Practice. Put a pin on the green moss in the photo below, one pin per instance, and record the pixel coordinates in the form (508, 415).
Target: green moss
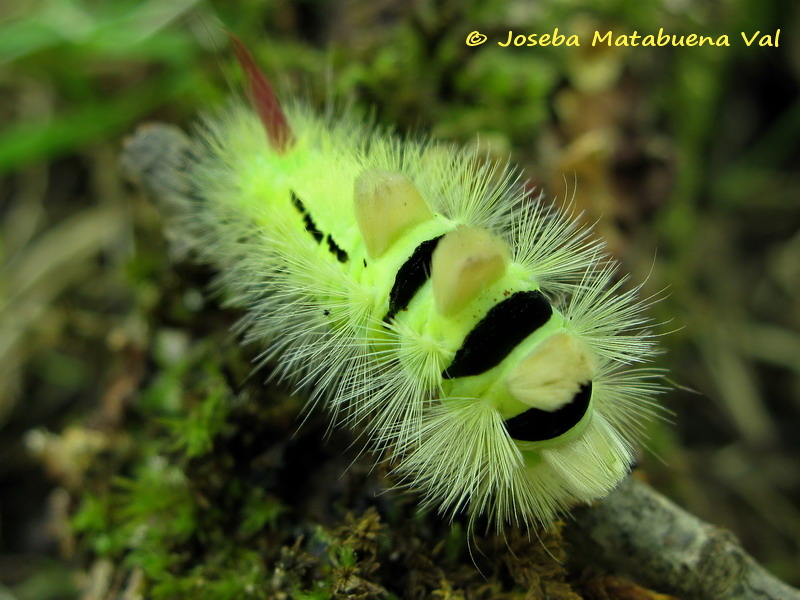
(207, 507)
(194, 433)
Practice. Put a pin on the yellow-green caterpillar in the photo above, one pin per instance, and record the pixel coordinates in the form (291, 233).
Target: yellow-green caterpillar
(476, 336)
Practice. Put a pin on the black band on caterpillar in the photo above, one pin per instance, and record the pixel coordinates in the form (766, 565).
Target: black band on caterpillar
(411, 276)
(312, 228)
(535, 425)
(340, 254)
(499, 332)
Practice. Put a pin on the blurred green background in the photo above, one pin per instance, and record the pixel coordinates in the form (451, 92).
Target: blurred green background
(687, 156)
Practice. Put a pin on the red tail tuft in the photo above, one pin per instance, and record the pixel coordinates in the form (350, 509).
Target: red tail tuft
(264, 99)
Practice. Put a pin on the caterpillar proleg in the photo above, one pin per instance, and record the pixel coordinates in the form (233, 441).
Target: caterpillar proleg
(480, 339)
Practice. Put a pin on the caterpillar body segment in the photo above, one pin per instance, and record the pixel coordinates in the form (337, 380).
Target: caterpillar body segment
(476, 336)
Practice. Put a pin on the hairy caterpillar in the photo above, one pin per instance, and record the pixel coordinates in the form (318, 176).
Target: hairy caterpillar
(477, 337)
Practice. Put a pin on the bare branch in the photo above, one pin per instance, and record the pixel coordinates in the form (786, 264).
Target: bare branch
(638, 531)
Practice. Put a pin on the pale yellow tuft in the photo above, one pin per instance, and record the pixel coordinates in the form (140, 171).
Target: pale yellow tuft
(387, 204)
(551, 375)
(465, 262)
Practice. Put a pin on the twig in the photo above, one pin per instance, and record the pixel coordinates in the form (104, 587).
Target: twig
(638, 531)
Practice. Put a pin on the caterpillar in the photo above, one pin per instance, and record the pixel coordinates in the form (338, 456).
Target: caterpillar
(480, 339)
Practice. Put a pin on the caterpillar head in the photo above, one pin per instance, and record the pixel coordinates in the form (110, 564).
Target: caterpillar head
(514, 403)
(517, 356)
(521, 384)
